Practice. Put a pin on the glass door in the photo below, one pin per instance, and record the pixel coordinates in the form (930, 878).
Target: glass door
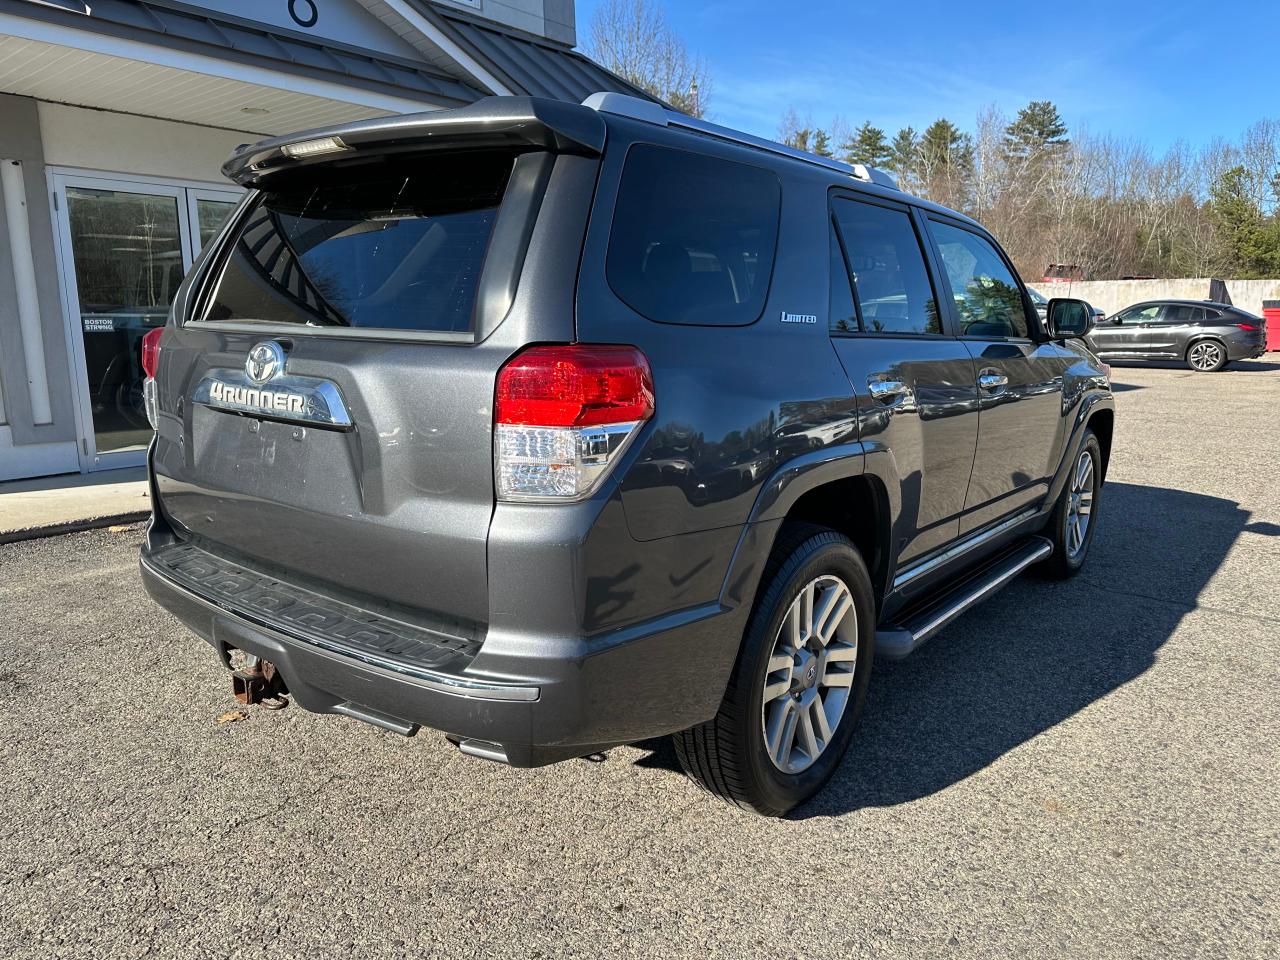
(125, 246)
(207, 211)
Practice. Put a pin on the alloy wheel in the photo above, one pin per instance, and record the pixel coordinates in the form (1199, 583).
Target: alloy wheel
(1080, 504)
(1205, 356)
(810, 674)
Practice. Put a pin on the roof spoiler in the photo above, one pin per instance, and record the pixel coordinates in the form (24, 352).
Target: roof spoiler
(519, 122)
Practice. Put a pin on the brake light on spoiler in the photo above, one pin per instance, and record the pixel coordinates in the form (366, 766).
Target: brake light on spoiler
(563, 415)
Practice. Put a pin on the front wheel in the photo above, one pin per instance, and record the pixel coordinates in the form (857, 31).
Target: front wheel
(1075, 516)
(798, 687)
(1207, 356)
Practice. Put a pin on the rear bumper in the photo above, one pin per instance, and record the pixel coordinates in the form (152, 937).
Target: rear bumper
(1245, 349)
(575, 697)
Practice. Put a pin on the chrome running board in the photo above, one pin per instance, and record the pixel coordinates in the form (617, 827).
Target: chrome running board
(923, 622)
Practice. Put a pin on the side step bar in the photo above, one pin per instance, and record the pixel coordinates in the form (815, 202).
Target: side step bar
(895, 642)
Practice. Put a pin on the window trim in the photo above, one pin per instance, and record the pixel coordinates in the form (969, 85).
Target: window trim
(926, 254)
(1035, 332)
(834, 226)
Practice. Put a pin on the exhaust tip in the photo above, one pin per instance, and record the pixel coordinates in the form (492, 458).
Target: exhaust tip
(484, 750)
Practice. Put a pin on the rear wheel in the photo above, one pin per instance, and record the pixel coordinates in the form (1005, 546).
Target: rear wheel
(1074, 518)
(1206, 356)
(800, 681)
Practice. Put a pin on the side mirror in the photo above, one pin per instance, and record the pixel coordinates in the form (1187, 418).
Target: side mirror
(1066, 318)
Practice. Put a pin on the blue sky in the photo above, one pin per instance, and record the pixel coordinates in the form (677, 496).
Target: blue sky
(1131, 68)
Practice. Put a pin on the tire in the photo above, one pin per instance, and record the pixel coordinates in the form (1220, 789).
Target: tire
(1070, 551)
(1206, 356)
(728, 755)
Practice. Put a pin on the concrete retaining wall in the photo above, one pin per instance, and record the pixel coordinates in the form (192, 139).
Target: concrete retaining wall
(1114, 295)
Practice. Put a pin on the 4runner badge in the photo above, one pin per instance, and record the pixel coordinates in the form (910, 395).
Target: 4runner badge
(263, 390)
(798, 317)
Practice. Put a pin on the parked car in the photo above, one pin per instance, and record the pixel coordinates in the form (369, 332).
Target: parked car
(1205, 335)
(556, 427)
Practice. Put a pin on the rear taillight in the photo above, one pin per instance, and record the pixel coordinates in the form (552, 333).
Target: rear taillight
(1247, 326)
(563, 415)
(151, 351)
(150, 364)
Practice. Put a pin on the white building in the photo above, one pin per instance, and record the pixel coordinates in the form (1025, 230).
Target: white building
(115, 116)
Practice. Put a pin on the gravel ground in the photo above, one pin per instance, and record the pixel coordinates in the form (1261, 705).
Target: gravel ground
(1075, 770)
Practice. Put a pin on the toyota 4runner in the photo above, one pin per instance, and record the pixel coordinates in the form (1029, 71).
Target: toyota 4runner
(558, 427)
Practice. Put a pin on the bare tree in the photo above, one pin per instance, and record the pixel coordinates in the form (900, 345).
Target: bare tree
(633, 39)
(988, 164)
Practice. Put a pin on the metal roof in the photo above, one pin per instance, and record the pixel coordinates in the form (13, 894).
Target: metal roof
(198, 31)
(532, 65)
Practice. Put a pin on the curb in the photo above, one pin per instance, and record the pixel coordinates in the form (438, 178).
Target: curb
(72, 526)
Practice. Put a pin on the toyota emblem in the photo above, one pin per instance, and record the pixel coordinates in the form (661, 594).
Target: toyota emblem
(265, 361)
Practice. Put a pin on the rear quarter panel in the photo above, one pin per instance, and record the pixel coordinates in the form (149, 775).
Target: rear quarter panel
(734, 403)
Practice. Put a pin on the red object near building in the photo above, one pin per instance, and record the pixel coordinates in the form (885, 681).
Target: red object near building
(1063, 273)
(1271, 311)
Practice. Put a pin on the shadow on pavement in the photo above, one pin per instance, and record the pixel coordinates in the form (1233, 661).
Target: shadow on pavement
(1032, 656)
(1233, 367)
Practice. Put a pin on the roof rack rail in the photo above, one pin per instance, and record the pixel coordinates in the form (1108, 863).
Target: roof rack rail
(647, 111)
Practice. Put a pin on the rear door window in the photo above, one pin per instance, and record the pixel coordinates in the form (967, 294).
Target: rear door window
(988, 298)
(886, 265)
(693, 237)
(1182, 313)
(396, 244)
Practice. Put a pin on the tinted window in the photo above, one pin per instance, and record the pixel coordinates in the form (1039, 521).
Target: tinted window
(693, 237)
(844, 315)
(988, 299)
(1139, 314)
(397, 244)
(1181, 313)
(890, 279)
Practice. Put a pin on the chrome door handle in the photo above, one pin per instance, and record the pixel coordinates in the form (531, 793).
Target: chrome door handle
(886, 391)
(993, 381)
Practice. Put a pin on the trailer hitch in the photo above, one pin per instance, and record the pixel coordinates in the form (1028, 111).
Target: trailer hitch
(259, 681)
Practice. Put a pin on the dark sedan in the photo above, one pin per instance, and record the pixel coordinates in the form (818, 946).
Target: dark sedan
(1205, 335)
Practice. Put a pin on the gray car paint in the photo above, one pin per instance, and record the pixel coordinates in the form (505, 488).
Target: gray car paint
(623, 611)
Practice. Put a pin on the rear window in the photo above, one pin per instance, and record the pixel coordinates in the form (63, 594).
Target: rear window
(693, 237)
(394, 244)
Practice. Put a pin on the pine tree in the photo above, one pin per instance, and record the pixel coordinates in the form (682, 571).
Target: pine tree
(1037, 128)
(868, 145)
(1251, 239)
(946, 163)
(821, 143)
(904, 157)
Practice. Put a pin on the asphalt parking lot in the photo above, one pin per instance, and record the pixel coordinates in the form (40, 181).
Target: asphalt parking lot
(1086, 769)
